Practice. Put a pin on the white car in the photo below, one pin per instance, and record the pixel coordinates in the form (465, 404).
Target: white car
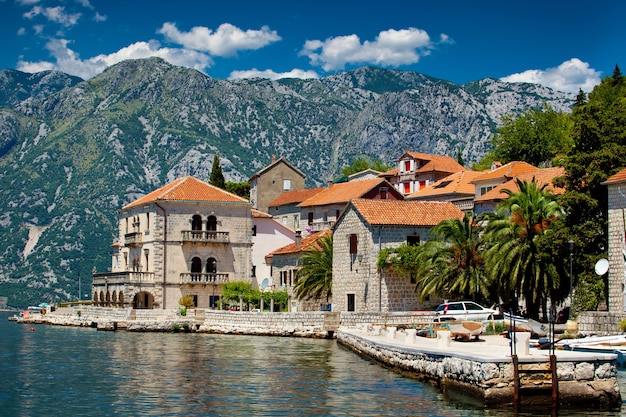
(463, 310)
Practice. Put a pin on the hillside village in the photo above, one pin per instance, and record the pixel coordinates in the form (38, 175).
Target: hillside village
(189, 238)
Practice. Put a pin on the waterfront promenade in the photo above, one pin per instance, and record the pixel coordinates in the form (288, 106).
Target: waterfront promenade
(483, 369)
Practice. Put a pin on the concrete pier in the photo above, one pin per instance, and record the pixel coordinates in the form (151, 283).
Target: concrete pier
(484, 368)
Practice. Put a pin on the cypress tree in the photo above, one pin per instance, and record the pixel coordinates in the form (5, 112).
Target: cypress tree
(217, 177)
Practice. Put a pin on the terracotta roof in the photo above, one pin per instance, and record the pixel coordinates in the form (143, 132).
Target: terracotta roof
(258, 214)
(296, 196)
(619, 177)
(437, 163)
(273, 164)
(457, 183)
(406, 213)
(507, 171)
(391, 173)
(187, 189)
(541, 176)
(308, 242)
(343, 192)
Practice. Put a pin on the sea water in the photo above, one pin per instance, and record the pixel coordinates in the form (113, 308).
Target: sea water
(68, 371)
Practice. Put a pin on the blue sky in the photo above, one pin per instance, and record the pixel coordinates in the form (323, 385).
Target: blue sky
(565, 45)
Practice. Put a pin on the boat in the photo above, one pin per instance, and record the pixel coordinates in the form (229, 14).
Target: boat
(615, 344)
(465, 330)
(518, 323)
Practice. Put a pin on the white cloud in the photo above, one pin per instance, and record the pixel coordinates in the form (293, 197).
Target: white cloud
(568, 77)
(390, 48)
(21, 31)
(54, 14)
(100, 17)
(68, 61)
(227, 40)
(27, 2)
(272, 75)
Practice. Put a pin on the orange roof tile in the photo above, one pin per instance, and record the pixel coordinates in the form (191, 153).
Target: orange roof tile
(258, 214)
(406, 213)
(391, 173)
(507, 171)
(619, 177)
(295, 196)
(187, 189)
(438, 163)
(457, 183)
(541, 176)
(343, 192)
(308, 242)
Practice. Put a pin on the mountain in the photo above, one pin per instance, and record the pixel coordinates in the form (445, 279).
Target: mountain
(73, 152)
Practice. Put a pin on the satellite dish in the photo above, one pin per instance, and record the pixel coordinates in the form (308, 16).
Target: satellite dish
(602, 266)
(265, 283)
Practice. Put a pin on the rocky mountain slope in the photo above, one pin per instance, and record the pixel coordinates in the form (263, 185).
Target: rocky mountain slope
(73, 152)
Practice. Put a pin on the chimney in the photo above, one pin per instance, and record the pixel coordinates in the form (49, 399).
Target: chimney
(330, 183)
(273, 158)
(298, 237)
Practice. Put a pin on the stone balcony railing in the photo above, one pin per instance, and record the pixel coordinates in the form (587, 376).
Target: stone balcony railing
(204, 236)
(321, 225)
(133, 239)
(203, 278)
(124, 277)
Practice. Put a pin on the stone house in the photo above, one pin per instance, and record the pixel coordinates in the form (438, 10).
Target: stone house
(185, 238)
(617, 241)
(273, 180)
(416, 170)
(489, 199)
(285, 210)
(456, 188)
(267, 236)
(366, 227)
(321, 211)
(285, 263)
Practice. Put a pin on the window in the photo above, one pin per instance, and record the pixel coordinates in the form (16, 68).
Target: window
(284, 220)
(211, 266)
(485, 190)
(296, 222)
(443, 184)
(196, 265)
(310, 218)
(196, 222)
(407, 166)
(413, 240)
(286, 185)
(407, 187)
(253, 271)
(383, 193)
(195, 300)
(211, 223)
(147, 221)
(351, 302)
(254, 230)
(353, 244)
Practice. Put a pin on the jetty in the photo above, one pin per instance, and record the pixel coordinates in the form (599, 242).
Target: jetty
(489, 370)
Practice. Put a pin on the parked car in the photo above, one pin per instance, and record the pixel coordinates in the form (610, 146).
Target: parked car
(463, 310)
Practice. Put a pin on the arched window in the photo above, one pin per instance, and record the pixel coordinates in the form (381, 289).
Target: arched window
(196, 222)
(211, 266)
(211, 224)
(196, 264)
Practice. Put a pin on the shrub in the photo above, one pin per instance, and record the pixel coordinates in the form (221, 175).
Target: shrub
(622, 325)
(175, 328)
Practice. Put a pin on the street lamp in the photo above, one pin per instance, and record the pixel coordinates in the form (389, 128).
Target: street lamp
(571, 276)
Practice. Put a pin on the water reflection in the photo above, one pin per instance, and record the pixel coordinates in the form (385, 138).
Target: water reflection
(72, 371)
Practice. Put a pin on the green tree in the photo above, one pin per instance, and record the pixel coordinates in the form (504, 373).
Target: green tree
(452, 264)
(516, 237)
(242, 189)
(314, 279)
(361, 163)
(537, 136)
(239, 290)
(217, 177)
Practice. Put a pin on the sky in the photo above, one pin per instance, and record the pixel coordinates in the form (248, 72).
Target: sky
(565, 45)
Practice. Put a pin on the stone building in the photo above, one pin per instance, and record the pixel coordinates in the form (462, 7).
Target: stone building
(185, 238)
(617, 241)
(273, 180)
(363, 229)
(285, 263)
(456, 188)
(285, 210)
(416, 170)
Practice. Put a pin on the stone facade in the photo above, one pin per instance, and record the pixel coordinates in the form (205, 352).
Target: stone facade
(170, 248)
(358, 285)
(617, 245)
(273, 180)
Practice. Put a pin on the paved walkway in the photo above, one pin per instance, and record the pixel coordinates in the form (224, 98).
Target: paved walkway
(485, 349)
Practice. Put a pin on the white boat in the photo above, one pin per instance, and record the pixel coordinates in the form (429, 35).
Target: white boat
(520, 324)
(466, 329)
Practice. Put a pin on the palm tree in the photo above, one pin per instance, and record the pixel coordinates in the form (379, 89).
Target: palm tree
(516, 234)
(314, 279)
(451, 264)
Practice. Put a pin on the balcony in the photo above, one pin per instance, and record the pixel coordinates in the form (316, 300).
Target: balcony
(204, 236)
(133, 239)
(126, 277)
(321, 225)
(203, 278)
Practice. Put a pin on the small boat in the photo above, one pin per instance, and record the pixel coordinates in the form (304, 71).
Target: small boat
(465, 330)
(537, 328)
(520, 324)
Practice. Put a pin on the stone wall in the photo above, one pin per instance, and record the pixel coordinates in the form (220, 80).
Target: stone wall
(600, 323)
(581, 384)
(617, 244)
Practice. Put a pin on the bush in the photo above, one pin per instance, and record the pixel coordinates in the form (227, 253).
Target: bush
(622, 325)
(175, 328)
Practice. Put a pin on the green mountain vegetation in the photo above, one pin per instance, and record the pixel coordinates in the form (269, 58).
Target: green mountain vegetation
(73, 152)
